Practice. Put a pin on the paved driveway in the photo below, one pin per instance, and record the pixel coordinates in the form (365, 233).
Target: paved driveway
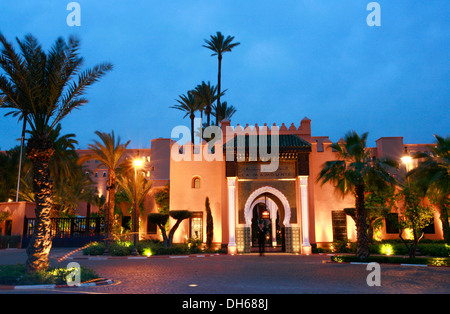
(248, 274)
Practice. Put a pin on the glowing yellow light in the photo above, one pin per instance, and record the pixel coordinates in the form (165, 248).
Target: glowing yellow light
(387, 249)
(406, 159)
(138, 162)
(9, 200)
(147, 252)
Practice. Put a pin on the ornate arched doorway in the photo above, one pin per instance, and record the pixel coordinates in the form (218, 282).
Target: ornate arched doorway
(270, 198)
(265, 211)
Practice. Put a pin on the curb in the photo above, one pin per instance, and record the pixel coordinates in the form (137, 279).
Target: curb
(366, 263)
(103, 258)
(102, 282)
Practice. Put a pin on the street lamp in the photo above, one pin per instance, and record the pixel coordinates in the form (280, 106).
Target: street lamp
(137, 164)
(407, 160)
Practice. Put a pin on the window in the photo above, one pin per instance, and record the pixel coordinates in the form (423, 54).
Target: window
(104, 174)
(430, 228)
(392, 223)
(8, 227)
(152, 228)
(196, 183)
(319, 146)
(339, 223)
(196, 226)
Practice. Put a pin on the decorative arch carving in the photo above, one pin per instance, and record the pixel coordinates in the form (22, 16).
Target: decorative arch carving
(271, 190)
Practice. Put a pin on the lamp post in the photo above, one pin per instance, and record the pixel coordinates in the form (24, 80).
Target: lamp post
(137, 164)
(107, 217)
(407, 161)
(22, 140)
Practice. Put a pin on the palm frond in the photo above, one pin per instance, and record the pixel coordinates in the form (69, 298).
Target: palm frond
(219, 44)
(45, 87)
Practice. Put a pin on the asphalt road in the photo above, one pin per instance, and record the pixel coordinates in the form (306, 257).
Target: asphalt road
(244, 274)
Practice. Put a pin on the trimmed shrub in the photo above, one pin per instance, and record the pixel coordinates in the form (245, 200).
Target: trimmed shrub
(393, 260)
(438, 249)
(17, 275)
(97, 248)
(388, 248)
(120, 248)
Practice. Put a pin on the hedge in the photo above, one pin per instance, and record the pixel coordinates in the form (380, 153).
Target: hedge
(427, 248)
(17, 275)
(432, 261)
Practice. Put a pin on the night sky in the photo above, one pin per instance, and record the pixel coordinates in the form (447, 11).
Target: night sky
(297, 58)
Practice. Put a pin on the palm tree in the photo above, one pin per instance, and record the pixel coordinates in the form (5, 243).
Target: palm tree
(108, 152)
(133, 184)
(355, 172)
(64, 160)
(188, 103)
(65, 174)
(43, 88)
(223, 111)
(128, 186)
(433, 176)
(219, 45)
(206, 95)
(69, 190)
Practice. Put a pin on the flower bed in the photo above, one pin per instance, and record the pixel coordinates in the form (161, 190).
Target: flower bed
(431, 261)
(17, 275)
(144, 248)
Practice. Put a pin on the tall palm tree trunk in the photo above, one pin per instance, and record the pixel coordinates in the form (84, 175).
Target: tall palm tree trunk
(192, 116)
(40, 152)
(219, 75)
(362, 250)
(208, 114)
(109, 213)
(444, 210)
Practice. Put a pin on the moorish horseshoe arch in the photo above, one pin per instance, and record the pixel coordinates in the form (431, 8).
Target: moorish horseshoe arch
(272, 206)
(256, 194)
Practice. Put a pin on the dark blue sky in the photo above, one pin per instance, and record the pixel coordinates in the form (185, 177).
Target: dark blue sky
(297, 58)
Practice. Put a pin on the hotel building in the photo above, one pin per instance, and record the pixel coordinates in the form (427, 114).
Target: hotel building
(298, 211)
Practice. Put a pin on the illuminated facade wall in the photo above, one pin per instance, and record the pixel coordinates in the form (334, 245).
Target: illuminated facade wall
(309, 212)
(323, 218)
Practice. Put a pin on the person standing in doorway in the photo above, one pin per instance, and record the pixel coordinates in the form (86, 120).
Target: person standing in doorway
(261, 239)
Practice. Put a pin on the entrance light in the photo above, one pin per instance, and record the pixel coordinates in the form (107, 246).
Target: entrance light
(138, 163)
(406, 159)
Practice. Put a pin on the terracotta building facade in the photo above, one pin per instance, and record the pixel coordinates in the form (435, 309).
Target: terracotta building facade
(297, 211)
